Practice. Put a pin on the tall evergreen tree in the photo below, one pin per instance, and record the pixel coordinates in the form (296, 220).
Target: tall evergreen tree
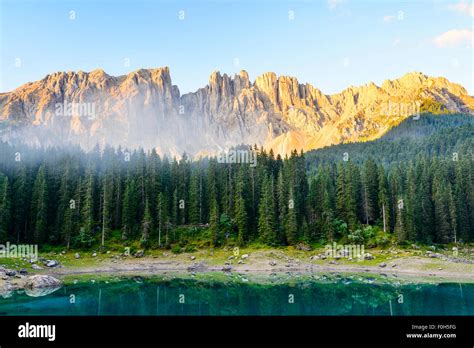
(39, 207)
(195, 195)
(146, 223)
(162, 216)
(291, 224)
(129, 209)
(19, 204)
(383, 200)
(266, 216)
(107, 205)
(240, 208)
(5, 208)
(214, 222)
(371, 186)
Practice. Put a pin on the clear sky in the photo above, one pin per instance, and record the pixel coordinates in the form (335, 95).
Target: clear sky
(331, 44)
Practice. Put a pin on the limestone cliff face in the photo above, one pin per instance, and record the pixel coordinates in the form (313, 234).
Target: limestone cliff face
(144, 109)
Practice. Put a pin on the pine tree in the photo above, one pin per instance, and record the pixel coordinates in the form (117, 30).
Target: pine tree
(214, 222)
(266, 216)
(240, 208)
(283, 203)
(64, 216)
(328, 218)
(306, 232)
(153, 185)
(341, 193)
(162, 216)
(129, 209)
(400, 230)
(371, 186)
(351, 195)
(175, 209)
(21, 194)
(291, 224)
(463, 198)
(39, 207)
(107, 206)
(194, 198)
(71, 216)
(426, 209)
(441, 207)
(412, 220)
(452, 215)
(5, 208)
(87, 209)
(357, 190)
(146, 223)
(383, 200)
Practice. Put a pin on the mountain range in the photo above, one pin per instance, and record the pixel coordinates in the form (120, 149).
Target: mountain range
(144, 109)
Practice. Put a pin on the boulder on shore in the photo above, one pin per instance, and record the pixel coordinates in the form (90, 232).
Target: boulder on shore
(41, 285)
(139, 253)
(51, 263)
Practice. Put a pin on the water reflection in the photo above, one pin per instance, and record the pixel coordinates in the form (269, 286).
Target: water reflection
(298, 297)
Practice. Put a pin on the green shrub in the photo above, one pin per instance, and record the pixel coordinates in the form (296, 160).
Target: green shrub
(176, 249)
(190, 248)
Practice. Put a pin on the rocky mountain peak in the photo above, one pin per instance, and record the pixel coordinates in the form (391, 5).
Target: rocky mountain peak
(144, 109)
(267, 84)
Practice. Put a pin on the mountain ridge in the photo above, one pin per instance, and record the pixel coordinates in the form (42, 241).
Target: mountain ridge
(144, 109)
(432, 135)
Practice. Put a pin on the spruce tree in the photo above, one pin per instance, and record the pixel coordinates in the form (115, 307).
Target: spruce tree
(195, 198)
(266, 216)
(383, 200)
(87, 219)
(19, 205)
(370, 193)
(291, 224)
(400, 230)
(240, 208)
(283, 204)
(146, 223)
(129, 208)
(107, 206)
(5, 208)
(214, 222)
(162, 216)
(39, 206)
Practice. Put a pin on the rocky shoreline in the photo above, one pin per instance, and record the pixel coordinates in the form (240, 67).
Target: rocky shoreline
(35, 285)
(46, 274)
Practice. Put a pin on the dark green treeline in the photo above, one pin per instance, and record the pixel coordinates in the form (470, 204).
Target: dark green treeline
(80, 199)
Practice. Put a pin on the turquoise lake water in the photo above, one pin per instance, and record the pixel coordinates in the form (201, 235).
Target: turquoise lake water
(323, 296)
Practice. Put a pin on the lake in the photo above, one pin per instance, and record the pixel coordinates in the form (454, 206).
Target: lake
(234, 294)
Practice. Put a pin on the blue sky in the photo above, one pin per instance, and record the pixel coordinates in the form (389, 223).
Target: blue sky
(330, 44)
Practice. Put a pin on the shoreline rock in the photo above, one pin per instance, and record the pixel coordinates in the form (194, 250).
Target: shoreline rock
(42, 281)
